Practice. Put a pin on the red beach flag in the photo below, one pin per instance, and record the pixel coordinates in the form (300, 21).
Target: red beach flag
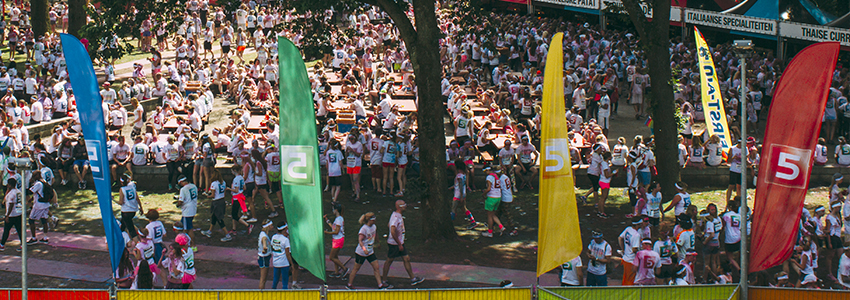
(784, 170)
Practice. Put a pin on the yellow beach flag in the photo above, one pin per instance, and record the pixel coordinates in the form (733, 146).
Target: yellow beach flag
(712, 98)
(559, 236)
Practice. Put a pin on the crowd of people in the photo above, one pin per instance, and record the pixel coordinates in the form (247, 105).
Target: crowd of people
(365, 100)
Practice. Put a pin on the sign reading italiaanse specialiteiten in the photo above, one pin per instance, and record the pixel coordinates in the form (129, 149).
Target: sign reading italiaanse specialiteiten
(731, 21)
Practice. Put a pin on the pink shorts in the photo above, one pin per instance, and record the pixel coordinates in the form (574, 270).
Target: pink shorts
(337, 243)
(605, 185)
(187, 278)
(154, 269)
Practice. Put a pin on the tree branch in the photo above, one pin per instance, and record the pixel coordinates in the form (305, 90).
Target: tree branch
(399, 17)
(638, 18)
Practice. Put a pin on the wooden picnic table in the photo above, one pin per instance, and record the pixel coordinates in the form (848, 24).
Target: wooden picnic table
(333, 106)
(457, 80)
(333, 78)
(404, 95)
(479, 123)
(500, 139)
(171, 124)
(256, 124)
(405, 105)
(398, 77)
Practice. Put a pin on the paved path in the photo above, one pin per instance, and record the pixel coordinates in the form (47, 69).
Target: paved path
(430, 271)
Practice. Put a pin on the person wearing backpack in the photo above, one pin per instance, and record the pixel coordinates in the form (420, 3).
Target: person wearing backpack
(41, 197)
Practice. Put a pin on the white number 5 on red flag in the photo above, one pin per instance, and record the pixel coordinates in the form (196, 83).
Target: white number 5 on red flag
(788, 166)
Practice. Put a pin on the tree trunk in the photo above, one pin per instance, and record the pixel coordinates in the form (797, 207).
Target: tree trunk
(664, 116)
(663, 104)
(655, 36)
(39, 18)
(77, 16)
(423, 47)
(425, 57)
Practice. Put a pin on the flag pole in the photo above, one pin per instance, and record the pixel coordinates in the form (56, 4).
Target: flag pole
(743, 48)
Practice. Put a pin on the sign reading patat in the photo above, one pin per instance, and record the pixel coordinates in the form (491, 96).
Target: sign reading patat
(731, 21)
(617, 7)
(588, 4)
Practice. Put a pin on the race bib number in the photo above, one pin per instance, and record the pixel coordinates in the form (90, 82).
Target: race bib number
(649, 263)
(190, 263)
(351, 161)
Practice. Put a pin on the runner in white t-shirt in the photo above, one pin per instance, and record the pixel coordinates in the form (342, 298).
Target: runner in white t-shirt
(395, 243)
(337, 232)
(353, 156)
(281, 257)
(365, 250)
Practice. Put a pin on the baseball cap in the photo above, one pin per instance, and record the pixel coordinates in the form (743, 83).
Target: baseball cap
(182, 239)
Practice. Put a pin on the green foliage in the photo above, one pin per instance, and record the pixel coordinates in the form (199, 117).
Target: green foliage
(117, 20)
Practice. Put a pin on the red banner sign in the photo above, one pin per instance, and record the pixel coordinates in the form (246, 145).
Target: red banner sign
(784, 171)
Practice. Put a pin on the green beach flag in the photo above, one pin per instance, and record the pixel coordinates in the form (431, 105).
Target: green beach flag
(299, 161)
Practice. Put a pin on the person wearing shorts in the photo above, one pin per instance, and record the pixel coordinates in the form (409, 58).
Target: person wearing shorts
(593, 171)
(264, 252)
(365, 251)
(493, 192)
(353, 161)
(187, 223)
(395, 243)
(337, 233)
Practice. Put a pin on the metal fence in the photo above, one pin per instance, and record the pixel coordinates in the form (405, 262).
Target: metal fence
(692, 292)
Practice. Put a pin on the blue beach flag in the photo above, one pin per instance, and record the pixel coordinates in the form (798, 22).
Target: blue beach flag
(84, 82)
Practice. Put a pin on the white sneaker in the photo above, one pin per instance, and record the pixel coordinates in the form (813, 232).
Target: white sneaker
(227, 238)
(244, 217)
(64, 181)
(206, 233)
(487, 234)
(273, 214)
(251, 220)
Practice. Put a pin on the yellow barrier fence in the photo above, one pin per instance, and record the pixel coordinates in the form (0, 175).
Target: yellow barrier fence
(693, 292)
(762, 293)
(448, 294)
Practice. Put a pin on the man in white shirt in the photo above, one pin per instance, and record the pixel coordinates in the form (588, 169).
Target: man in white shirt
(395, 241)
(37, 111)
(140, 152)
(107, 94)
(630, 240)
(188, 203)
